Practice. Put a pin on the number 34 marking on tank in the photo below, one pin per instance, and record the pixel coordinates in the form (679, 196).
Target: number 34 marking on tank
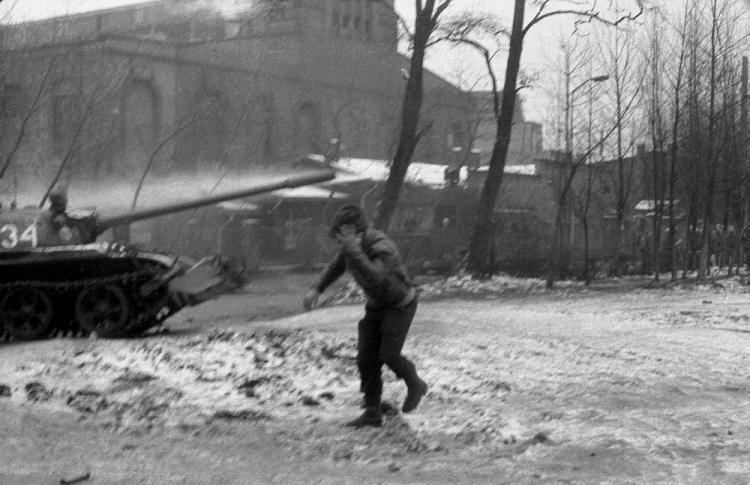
(12, 236)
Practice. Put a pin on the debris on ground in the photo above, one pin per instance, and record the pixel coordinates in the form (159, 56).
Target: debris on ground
(35, 391)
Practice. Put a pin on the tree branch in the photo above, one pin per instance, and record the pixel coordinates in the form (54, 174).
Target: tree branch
(439, 10)
(153, 158)
(591, 14)
(33, 109)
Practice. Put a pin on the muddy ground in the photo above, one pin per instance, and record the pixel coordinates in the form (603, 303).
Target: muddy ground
(621, 383)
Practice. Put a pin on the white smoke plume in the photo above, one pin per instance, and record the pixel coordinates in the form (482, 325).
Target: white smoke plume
(112, 196)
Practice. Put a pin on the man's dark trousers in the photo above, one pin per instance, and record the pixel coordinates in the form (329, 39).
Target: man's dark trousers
(382, 333)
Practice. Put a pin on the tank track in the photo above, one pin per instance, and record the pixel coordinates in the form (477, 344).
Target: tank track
(147, 315)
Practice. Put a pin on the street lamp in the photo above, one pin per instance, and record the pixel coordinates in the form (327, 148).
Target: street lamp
(569, 137)
(569, 110)
(597, 79)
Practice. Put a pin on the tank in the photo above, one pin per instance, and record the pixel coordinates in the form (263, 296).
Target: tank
(55, 276)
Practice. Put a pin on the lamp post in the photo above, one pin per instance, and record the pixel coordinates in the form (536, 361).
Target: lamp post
(569, 110)
(569, 93)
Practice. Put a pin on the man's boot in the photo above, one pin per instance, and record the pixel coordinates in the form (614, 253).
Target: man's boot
(372, 416)
(414, 395)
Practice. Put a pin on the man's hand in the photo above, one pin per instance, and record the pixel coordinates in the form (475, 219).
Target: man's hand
(348, 237)
(310, 302)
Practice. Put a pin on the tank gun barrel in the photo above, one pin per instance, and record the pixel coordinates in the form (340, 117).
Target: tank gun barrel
(105, 223)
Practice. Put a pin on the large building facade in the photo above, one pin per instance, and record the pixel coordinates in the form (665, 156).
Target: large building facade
(178, 86)
(173, 85)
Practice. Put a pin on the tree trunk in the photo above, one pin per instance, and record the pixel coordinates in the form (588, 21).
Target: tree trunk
(672, 238)
(586, 258)
(479, 257)
(410, 111)
(708, 216)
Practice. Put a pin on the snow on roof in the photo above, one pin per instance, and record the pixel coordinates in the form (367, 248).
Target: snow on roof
(238, 206)
(308, 192)
(418, 173)
(526, 169)
(645, 205)
(370, 169)
(430, 174)
(650, 204)
(304, 192)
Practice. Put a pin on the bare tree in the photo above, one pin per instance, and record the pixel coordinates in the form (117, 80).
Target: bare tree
(620, 56)
(677, 82)
(43, 83)
(587, 193)
(90, 103)
(27, 89)
(710, 165)
(743, 182)
(480, 246)
(572, 160)
(22, 121)
(654, 103)
(428, 14)
(712, 114)
(705, 171)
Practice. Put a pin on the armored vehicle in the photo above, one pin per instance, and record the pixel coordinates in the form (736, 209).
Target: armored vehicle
(56, 277)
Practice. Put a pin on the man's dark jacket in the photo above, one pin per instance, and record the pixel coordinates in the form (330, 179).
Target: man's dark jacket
(386, 285)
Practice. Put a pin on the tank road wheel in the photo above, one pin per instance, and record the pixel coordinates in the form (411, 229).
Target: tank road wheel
(105, 310)
(26, 313)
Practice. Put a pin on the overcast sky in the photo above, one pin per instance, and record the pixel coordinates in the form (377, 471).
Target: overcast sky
(540, 51)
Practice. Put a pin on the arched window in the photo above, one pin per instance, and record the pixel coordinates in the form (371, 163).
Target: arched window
(210, 130)
(215, 131)
(258, 123)
(12, 98)
(264, 110)
(66, 108)
(140, 123)
(308, 133)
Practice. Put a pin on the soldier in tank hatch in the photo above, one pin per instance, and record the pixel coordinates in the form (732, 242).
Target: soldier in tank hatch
(374, 262)
(58, 202)
(58, 207)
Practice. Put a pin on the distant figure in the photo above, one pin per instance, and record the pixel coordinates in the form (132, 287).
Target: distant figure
(334, 149)
(374, 262)
(58, 204)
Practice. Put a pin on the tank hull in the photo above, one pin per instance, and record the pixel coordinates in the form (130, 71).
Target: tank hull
(54, 276)
(105, 288)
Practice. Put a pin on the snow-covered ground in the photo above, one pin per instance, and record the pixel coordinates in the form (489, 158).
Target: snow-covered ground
(619, 383)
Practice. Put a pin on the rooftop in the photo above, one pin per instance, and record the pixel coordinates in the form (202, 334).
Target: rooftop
(418, 173)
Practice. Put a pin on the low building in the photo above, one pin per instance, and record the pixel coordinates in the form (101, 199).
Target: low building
(432, 224)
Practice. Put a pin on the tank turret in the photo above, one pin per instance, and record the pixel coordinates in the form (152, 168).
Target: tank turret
(55, 276)
(30, 228)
